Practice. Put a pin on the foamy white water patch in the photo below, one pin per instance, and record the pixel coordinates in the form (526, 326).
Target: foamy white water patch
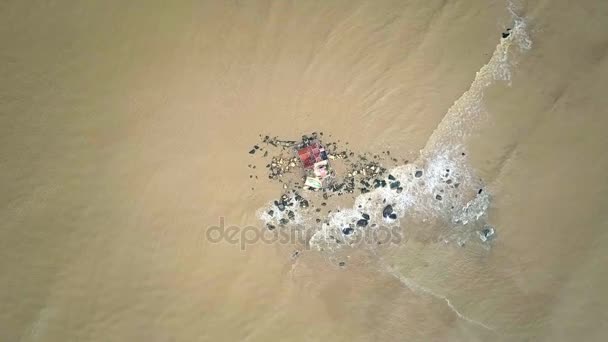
(446, 173)
(440, 186)
(463, 116)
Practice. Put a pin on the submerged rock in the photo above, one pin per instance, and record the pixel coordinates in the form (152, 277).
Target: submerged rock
(387, 211)
(362, 223)
(486, 233)
(348, 230)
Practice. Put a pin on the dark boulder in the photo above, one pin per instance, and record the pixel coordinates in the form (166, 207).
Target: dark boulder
(387, 211)
(362, 223)
(348, 230)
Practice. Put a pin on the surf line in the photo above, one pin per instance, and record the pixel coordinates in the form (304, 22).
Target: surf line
(459, 118)
(416, 288)
(462, 117)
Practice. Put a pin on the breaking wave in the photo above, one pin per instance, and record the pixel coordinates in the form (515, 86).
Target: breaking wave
(439, 186)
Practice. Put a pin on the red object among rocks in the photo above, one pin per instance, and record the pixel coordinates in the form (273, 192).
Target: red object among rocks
(312, 154)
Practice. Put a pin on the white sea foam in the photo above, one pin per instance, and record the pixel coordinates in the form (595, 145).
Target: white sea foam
(445, 173)
(443, 162)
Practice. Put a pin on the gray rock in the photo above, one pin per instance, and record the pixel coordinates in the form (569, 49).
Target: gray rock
(486, 233)
(387, 211)
(348, 230)
(362, 223)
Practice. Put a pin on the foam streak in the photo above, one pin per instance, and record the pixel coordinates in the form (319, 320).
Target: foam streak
(410, 284)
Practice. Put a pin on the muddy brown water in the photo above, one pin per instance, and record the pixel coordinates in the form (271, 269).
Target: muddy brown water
(125, 132)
